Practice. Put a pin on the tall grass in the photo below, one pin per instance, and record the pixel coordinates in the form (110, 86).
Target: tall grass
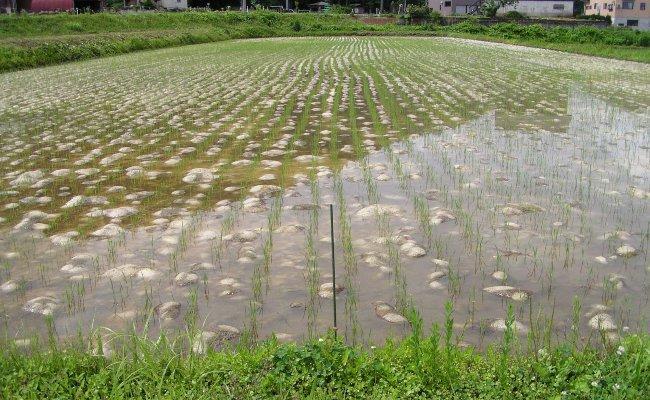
(28, 41)
(418, 367)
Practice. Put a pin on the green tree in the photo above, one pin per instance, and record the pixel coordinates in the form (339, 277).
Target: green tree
(490, 7)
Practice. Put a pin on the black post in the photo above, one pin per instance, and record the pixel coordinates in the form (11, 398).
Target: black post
(333, 265)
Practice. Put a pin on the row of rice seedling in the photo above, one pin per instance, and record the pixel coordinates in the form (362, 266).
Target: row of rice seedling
(192, 199)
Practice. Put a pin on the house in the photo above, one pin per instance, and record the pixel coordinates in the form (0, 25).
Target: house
(453, 7)
(320, 6)
(631, 13)
(8, 6)
(541, 8)
(358, 8)
(531, 8)
(171, 4)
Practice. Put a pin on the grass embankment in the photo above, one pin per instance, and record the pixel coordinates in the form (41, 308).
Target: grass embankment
(328, 369)
(36, 40)
(618, 43)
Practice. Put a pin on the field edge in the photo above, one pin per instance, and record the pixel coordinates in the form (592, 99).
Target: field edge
(417, 367)
(32, 52)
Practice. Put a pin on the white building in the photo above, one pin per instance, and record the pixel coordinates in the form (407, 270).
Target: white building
(172, 4)
(630, 13)
(541, 8)
(531, 8)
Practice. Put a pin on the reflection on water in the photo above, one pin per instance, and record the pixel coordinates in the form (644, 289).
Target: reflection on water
(531, 193)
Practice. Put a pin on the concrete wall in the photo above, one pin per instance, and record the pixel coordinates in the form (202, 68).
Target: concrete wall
(173, 4)
(643, 24)
(559, 8)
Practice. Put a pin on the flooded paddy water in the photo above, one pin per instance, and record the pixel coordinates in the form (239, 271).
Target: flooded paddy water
(188, 189)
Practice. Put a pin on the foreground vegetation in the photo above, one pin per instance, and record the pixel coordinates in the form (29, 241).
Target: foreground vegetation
(36, 40)
(415, 368)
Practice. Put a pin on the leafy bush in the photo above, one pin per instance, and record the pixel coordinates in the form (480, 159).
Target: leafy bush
(296, 26)
(643, 41)
(147, 5)
(340, 9)
(514, 15)
(316, 27)
(435, 18)
(596, 17)
(421, 12)
(584, 34)
(269, 18)
(115, 4)
(469, 26)
(489, 8)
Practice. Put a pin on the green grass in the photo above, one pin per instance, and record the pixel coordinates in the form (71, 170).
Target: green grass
(629, 53)
(28, 41)
(66, 24)
(327, 369)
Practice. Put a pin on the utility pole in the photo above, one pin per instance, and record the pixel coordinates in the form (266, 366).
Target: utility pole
(243, 5)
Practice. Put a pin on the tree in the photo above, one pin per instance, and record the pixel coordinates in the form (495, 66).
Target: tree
(490, 7)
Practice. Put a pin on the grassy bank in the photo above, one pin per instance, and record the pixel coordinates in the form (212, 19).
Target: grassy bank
(30, 41)
(638, 54)
(37, 40)
(327, 369)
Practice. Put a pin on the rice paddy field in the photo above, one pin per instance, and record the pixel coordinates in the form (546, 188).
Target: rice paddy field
(187, 190)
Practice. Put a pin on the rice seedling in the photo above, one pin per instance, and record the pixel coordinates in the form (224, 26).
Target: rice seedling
(496, 180)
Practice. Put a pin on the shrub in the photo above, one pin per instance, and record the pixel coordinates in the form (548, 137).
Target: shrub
(340, 9)
(469, 26)
(536, 32)
(115, 4)
(435, 18)
(296, 26)
(489, 8)
(509, 30)
(595, 17)
(643, 41)
(268, 18)
(147, 5)
(237, 17)
(514, 15)
(418, 12)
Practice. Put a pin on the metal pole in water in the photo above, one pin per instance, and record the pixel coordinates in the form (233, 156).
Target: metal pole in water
(333, 265)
